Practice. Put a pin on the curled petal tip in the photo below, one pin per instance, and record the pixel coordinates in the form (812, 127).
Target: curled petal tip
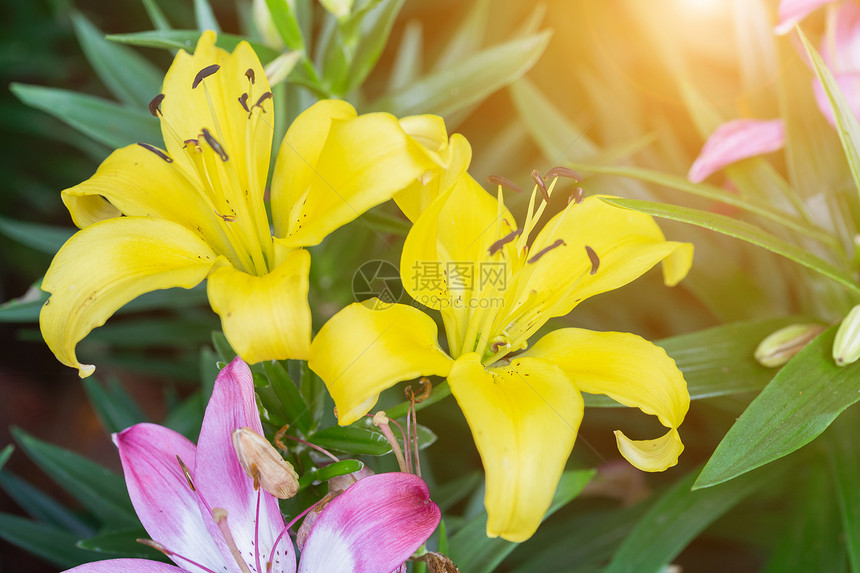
(86, 370)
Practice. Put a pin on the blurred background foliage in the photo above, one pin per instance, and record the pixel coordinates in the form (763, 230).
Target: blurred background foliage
(603, 86)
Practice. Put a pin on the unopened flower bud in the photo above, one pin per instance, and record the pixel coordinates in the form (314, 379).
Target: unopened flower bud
(846, 346)
(278, 69)
(262, 463)
(781, 346)
(265, 25)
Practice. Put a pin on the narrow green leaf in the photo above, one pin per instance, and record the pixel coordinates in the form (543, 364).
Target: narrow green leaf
(49, 543)
(222, 347)
(454, 491)
(187, 418)
(471, 549)
(187, 40)
(25, 308)
(205, 17)
(812, 538)
(467, 38)
(678, 516)
(43, 508)
(340, 468)
(558, 138)
(409, 59)
(44, 238)
(846, 122)
(717, 361)
(286, 23)
(295, 407)
(470, 81)
(710, 192)
(130, 77)
(99, 119)
(376, 27)
(97, 488)
(352, 440)
(740, 230)
(845, 469)
(800, 402)
(156, 16)
(5, 454)
(115, 407)
(122, 543)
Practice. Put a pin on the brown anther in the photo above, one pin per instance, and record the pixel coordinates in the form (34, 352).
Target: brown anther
(157, 151)
(263, 464)
(541, 184)
(243, 99)
(565, 172)
(576, 196)
(545, 250)
(249, 73)
(155, 545)
(203, 74)
(193, 142)
(438, 563)
(213, 143)
(278, 437)
(226, 218)
(154, 103)
(186, 473)
(494, 347)
(262, 98)
(504, 182)
(595, 260)
(495, 247)
(426, 389)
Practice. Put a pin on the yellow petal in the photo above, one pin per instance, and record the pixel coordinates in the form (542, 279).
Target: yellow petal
(108, 264)
(214, 104)
(454, 156)
(631, 371)
(137, 182)
(524, 418)
(368, 347)
(625, 243)
(265, 317)
(361, 162)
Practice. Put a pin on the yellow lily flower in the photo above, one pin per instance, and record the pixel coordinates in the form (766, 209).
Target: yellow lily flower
(153, 219)
(495, 288)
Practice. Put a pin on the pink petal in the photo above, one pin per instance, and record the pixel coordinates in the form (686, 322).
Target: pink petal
(221, 480)
(849, 84)
(374, 526)
(125, 566)
(735, 140)
(159, 491)
(791, 12)
(841, 48)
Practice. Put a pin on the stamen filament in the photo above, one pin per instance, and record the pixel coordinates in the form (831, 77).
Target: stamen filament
(380, 420)
(220, 517)
(257, 531)
(161, 548)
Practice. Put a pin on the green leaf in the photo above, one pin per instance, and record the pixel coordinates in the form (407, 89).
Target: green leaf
(25, 308)
(294, 406)
(205, 17)
(678, 516)
(717, 361)
(375, 29)
(740, 230)
(340, 468)
(800, 402)
(49, 543)
(467, 38)
(101, 120)
(5, 454)
(42, 507)
(845, 469)
(156, 16)
(115, 407)
(846, 122)
(285, 21)
(713, 193)
(470, 81)
(131, 78)
(407, 64)
(812, 537)
(222, 347)
(187, 40)
(352, 440)
(43, 238)
(122, 543)
(473, 551)
(456, 490)
(98, 489)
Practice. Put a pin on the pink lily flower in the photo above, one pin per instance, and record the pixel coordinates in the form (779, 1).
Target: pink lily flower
(735, 140)
(206, 515)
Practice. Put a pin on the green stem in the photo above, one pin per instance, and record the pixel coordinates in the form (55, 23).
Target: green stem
(439, 392)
